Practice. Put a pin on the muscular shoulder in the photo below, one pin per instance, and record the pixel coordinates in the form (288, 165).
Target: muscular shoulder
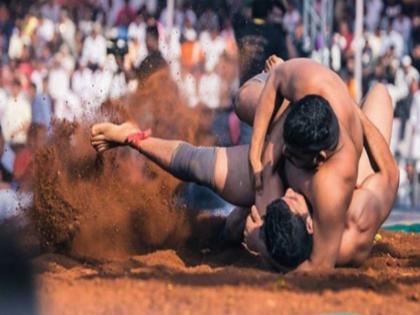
(341, 168)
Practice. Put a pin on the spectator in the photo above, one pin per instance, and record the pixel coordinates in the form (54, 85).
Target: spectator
(373, 14)
(402, 25)
(17, 116)
(393, 39)
(58, 80)
(125, 15)
(94, 48)
(45, 29)
(213, 46)
(154, 60)
(67, 30)
(257, 40)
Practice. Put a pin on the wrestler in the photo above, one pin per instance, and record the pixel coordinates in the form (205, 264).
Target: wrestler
(286, 234)
(320, 139)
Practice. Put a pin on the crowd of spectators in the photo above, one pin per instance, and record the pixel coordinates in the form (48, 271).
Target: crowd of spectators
(64, 58)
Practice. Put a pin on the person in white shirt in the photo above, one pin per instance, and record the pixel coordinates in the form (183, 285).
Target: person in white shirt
(45, 29)
(213, 44)
(81, 82)
(394, 39)
(94, 47)
(58, 80)
(17, 116)
(67, 31)
(209, 88)
(137, 34)
(16, 44)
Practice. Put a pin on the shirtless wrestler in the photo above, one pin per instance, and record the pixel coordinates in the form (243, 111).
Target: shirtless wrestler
(286, 234)
(318, 132)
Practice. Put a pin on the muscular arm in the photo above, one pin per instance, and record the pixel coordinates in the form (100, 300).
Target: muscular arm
(332, 195)
(372, 202)
(383, 184)
(292, 80)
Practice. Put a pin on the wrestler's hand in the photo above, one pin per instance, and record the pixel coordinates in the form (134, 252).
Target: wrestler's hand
(252, 240)
(235, 225)
(272, 62)
(256, 174)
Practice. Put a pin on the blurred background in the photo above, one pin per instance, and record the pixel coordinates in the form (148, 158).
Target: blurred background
(61, 59)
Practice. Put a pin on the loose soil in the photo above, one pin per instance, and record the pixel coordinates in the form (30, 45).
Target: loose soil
(230, 282)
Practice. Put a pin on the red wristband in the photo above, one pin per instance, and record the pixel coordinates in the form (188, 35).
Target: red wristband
(134, 139)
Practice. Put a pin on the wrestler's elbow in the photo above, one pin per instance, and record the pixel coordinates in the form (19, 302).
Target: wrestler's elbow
(392, 175)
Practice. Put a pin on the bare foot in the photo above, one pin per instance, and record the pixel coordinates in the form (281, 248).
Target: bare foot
(105, 136)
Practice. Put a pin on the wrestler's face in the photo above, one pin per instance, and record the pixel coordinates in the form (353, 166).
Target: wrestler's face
(297, 204)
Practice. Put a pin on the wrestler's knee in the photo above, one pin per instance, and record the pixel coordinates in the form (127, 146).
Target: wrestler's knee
(382, 90)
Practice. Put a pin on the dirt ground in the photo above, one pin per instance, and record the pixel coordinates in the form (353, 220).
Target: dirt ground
(230, 282)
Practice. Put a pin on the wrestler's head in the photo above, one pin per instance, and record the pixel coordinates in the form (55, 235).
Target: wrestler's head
(311, 132)
(284, 236)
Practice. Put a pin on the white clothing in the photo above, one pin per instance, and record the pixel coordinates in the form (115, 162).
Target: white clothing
(68, 32)
(403, 27)
(81, 83)
(137, 31)
(46, 30)
(373, 14)
(118, 86)
(58, 83)
(16, 119)
(213, 48)
(68, 106)
(3, 102)
(209, 90)
(15, 45)
(395, 39)
(188, 87)
(375, 43)
(94, 50)
(415, 125)
(36, 78)
(172, 50)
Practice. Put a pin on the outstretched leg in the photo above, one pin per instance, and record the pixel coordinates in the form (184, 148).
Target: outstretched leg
(377, 106)
(225, 170)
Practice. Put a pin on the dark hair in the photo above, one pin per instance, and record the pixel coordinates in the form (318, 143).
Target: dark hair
(261, 8)
(311, 125)
(152, 31)
(286, 237)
